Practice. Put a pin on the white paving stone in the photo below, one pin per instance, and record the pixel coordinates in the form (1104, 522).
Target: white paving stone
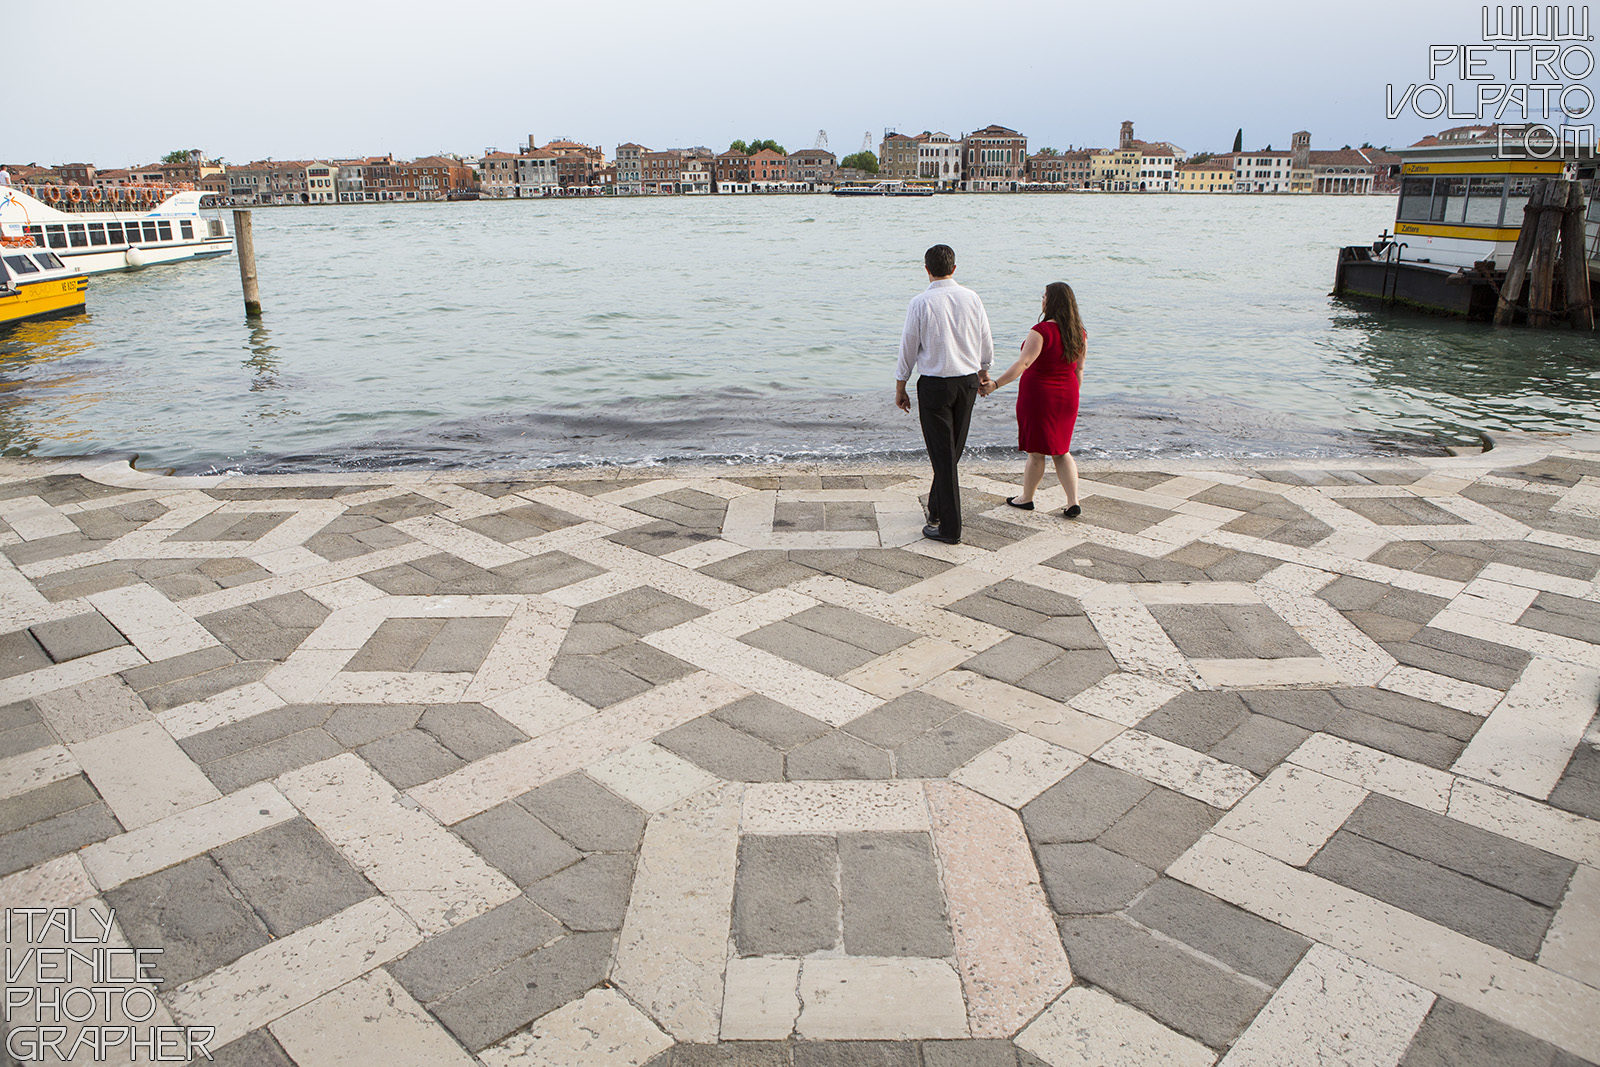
(599, 1029)
(650, 776)
(228, 706)
(834, 807)
(1020, 709)
(142, 774)
(907, 667)
(462, 543)
(762, 999)
(761, 610)
(423, 868)
(1292, 672)
(1513, 991)
(74, 672)
(1124, 698)
(1529, 821)
(1418, 785)
(696, 588)
(1308, 1020)
(897, 609)
(538, 708)
(1451, 692)
(1527, 741)
(156, 627)
(1134, 637)
(369, 1020)
(673, 948)
(292, 971)
(1086, 1028)
(55, 883)
(96, 707)
(30, 770)
(876, 998)
(1166, 763)
(1017, 769)
(1572, 945)
(181, 836)
(524, 650)
(1291, 814)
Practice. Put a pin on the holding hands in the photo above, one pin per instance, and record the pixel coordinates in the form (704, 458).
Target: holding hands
(986, 384)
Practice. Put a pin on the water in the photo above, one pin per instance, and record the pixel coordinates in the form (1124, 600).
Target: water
(542, 333)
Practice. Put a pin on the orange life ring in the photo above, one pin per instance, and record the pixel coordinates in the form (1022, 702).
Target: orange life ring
(96, 195)
(75, 193)
(53, 192)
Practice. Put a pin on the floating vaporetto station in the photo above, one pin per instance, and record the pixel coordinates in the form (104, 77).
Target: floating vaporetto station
(137, 226)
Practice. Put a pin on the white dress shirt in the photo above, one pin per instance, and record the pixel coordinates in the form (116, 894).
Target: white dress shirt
(947, 333)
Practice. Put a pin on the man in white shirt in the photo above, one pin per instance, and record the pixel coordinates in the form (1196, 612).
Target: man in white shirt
(947, 340)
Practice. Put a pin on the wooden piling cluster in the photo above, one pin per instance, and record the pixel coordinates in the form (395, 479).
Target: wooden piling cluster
(1552, 236)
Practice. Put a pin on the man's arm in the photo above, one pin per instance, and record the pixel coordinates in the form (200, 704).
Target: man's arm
(910, 342)
(985, 344)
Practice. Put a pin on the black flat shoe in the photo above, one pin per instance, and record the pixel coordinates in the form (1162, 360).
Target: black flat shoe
(1028, 506)
(932, 533)
(1073, 512)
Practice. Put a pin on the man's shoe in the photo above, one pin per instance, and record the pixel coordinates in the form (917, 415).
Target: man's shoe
(932, 533)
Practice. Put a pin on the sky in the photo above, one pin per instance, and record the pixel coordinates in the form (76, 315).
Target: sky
(295, 79)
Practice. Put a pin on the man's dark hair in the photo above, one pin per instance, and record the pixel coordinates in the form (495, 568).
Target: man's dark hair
(940, 261)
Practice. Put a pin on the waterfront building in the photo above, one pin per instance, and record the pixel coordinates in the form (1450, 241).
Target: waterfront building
(105, 179)
(813, 166)
(769, 166)
(695, 174)
(1047, 169)
(436, 177)
(76, 174)
(629, 175)
(994, 159)
(322, 181)
(661, 171)
(218, 186)
(1263, 171)
(497, 175)
(939, 159)
(1115, 170)
(1214, 175)
(731, 169)
(898, 157)
(536, 173)
(576, 164)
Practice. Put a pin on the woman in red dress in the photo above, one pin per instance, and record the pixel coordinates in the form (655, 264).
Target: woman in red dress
(1051, 369)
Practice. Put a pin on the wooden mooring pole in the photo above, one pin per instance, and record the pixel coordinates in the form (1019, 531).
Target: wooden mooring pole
(1552, 223)
(244, 241)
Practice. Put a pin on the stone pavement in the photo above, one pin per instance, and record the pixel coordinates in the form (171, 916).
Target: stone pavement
(1287, 763)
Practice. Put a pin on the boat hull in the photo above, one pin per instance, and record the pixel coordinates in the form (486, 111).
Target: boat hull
(106, 262)
(43, 299)
(1362, 278)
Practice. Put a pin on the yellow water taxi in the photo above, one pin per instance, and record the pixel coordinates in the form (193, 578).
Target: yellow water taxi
(35, 284)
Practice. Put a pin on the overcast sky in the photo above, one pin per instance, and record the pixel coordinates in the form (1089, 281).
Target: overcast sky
(292, 79)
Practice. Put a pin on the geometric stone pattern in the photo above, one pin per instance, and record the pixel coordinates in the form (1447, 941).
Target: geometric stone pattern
(731, 766)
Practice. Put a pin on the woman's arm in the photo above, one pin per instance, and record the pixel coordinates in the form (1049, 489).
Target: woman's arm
(1030, 352)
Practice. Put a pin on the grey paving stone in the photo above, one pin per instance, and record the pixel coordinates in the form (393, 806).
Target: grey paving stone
(252, 634)
(80, 635)
(786, 895)
(1233, 631)
(947, 746)
(897, 721)
(726, 1054)
(69, 794)
(819, 652)
(85, 581)
(207, 684)
(586, 814)
(725, 752)
(1550, 612)
(55, 835)
(592, 894)
(1480, 911)
(461, 645)
(271, 759)
(648, 663)
(396, 645)
(1310, 709)
(1070, 673)
(1410, 711)
(640, 611)
(892, 902)
(1517, 868)
(800, 516)
(777, 724)
(1083, 805)
(849, 515)
(1245, 942)
(192, 914)
(1188, 994)
(1423, 652)
(471, 731)
(488, 1009)
(1578, 790)
(258, 1048)
(856, 1054)
(1421, 746)
(1259, 744)
(759, 571)
(462, 954)
(1013, 659)
(21, 713)
(1453, 1035)
(1160, 828)
(1067, 631)
(836, 756)
(595, 680)
(594, 638)
(546, 572)
(980, 1053)
(354, 725)
(291, 876)
(524, 848)
(410, 758)
(1197, 720)
(1085, 879)
(20, 653)
(25, 738)
(854, 628)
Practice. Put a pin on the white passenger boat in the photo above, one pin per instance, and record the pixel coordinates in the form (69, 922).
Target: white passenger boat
(137, 228)
(888, 187)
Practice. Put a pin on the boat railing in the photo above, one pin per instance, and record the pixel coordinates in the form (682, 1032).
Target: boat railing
(72, 198)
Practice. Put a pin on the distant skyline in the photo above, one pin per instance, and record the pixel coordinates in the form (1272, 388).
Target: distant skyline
(319, 80)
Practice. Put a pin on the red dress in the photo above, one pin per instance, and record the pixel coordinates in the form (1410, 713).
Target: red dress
(1047, 397)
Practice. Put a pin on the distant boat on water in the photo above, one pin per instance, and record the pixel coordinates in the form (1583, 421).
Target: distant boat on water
(888, 187)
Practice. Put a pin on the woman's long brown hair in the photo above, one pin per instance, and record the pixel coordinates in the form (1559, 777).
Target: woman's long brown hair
(1061, 308)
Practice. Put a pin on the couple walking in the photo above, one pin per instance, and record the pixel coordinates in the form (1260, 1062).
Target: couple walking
(947, 340)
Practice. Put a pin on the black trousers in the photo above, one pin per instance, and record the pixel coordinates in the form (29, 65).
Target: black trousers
(944, 406)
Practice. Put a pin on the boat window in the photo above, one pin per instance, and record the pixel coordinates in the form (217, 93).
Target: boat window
(165, 229)
(49, 260)
(187, 229)
(1415, 195)
(58, 236)
(97, 233)
(37, 233)
(150, 232)
(1484, 195)
(22, 265)
(1449, 200)
(75, 232)
(114, 232)
(1518, 188)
